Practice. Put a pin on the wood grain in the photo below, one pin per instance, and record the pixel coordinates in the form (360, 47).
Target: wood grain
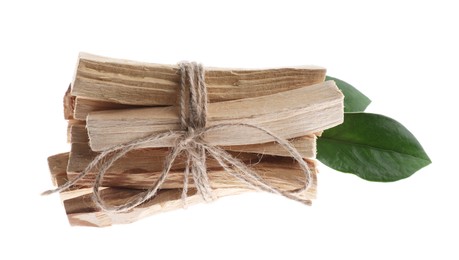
(57, 167)
(84, 106)
(113, 101)
(306, 145)
(81, 210)
(69, 104)
(289, 114)
(139, 169)
(148, 84)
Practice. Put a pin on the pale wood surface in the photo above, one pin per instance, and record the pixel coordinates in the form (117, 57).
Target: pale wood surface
(57, 167)
(140, 171)
(137, 83)
(289, 114)
(81, 210)
(107, 104)
(84, 106)
(137, 161)
(306, 145)
(76, 132)
(69, 104)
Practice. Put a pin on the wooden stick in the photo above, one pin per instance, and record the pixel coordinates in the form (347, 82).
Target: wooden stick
(84, 106)
(76, 132)
(137, 161)
(147, 84)
(57, 167)
(281, 177)
(141, 173)
(306, 145)
(69, 104)
(289, 114)
(82, 211)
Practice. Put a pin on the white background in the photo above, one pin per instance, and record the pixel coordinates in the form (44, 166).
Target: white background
(403, 55)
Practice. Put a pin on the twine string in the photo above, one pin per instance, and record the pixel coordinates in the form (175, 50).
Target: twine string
(190, 140)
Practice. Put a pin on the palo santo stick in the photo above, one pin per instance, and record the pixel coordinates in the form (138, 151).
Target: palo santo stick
(281, 177)
(306, 145)
(82, 211)
(281, 171)
(76, 132)
(147, 84)
(69, 104)
(289, 114)
(137, 168)
(137, 161)
(84, 106)
(57, 167)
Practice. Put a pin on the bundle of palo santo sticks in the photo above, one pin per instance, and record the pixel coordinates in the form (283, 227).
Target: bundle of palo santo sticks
(111, 102)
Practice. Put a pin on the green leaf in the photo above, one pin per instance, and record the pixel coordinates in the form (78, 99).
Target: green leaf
(354, 100)
(373, 147)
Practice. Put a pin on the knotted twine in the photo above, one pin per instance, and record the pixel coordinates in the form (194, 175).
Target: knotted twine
(190, 141)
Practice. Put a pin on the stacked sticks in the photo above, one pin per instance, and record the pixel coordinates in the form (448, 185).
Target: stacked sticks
(112, 102)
